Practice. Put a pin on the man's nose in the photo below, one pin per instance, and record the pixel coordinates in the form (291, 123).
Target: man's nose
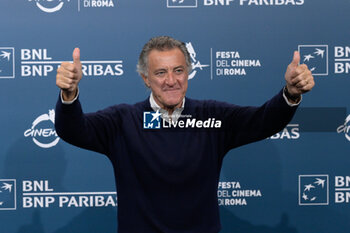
(171, 79)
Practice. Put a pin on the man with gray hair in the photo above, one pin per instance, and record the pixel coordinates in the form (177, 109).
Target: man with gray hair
(167, 177)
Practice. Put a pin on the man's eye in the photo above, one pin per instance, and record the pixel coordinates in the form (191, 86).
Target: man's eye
(179, 71)
(160, 73)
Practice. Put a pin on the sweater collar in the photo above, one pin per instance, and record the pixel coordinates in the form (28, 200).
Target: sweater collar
(165, 115)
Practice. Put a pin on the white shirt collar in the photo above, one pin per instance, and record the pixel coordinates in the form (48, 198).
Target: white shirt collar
(165, 115)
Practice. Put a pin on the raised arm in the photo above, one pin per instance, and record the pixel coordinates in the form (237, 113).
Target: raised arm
(249, 124)
(90, 131)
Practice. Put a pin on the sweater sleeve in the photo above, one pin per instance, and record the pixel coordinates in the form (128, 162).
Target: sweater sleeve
(250, 124)
(93, 131)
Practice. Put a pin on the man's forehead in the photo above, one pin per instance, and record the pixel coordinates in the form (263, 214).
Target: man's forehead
(174, 53)
(166, 59)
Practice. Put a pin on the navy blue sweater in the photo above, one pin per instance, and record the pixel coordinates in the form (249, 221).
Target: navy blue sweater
(167, 178)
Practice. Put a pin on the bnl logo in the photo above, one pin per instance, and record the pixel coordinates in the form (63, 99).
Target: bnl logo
(7, 194)
(313, 190)
(151, 120)
(182, 3)
(315, 57)
(7, 62)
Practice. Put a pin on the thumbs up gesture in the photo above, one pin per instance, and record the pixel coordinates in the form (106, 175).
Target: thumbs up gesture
(69, 75)
(299, 79)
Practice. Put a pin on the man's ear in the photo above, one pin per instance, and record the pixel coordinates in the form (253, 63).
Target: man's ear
(145, 79)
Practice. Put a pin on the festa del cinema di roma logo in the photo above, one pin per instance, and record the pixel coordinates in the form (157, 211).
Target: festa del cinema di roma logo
(194, 62)
(42, 130)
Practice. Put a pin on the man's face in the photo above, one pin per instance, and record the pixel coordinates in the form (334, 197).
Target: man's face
(167, 77)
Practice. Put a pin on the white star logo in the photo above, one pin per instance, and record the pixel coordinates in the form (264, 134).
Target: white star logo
(319, 182)
(7, 187)
(5, 54)
(305, 197)
(308, 57)
(156, 115)
(319, 52)
(308, 187)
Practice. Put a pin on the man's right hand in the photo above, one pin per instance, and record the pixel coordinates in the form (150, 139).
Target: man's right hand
(69, 75)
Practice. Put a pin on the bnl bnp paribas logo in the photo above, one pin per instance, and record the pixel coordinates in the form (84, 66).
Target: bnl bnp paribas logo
(7, 194)
(7, 62)
(315, 57)
(39, 63)
(194, 3)
(313, 190)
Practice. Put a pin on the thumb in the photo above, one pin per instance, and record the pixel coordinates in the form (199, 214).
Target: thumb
(296, 59)
(76, 56)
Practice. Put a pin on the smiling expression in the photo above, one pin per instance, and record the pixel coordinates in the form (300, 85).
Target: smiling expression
(167, 77)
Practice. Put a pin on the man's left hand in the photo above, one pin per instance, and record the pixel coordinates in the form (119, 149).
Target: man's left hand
(299, 78)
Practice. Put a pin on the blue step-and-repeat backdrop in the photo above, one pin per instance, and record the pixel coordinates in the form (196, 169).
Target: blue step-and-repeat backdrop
(297, 181)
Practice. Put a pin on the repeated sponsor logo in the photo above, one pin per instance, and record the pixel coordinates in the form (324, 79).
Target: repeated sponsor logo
(342, 189)
(316, 189)
(253, 2)
(8, 194)
(39, 63)
(40, 194)
(319, 61)
(223, 63)
(7, 62)
(42, 130)
(232, 63)
(341, 59)
(291, 131)
(232, 193)
(313, 190)
(345, 128)
(315, 57)
(249, 3)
